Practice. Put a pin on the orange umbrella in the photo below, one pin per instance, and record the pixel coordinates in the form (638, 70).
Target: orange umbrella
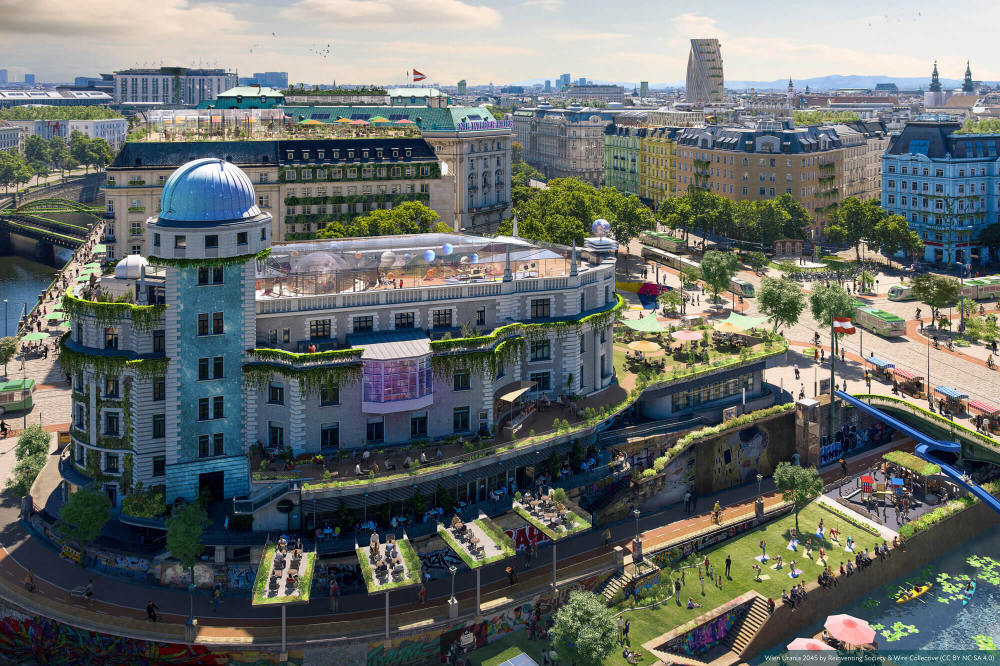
(405, 121)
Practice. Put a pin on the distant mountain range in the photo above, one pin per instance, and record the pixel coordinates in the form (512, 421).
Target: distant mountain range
(818, 83)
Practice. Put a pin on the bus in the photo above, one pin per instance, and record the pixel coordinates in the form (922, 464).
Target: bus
(736, 285)
(661, 241)
(880, 322)
(980, 289)
(16, 395)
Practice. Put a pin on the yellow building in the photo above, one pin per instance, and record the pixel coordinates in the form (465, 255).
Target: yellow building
(657, 161)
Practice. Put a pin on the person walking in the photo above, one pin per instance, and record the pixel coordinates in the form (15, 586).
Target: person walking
(626, 630)
(843, 466)
(216, 597)
(729, 563)
(701, 579)
(151, 609)
(717, 512)
(621, 630)
(687, 502)
(422, 594)
(88, 591)
(511, 576)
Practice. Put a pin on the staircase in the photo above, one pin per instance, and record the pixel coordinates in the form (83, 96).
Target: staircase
(613, 585)
(739, 637)
(609, 493)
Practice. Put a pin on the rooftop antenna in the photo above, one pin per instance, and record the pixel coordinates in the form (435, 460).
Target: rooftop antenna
(572, 265)
(507, 275)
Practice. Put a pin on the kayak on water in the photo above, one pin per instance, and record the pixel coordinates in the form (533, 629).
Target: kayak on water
(968, 594)
(911, 595)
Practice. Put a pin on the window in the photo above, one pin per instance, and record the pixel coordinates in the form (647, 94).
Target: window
(218, 448)
(461, 380)
(460, 419)
(329, 435)
(111, 463)
(241, 238)
(156, 240)
(375, 431)
(203, 450)
(276, 394)
(481, 317)
(110, 388)
(539, 308)
(540, 350)
(364, 324)
(329, 395)
(159, 465)
(159, 341)
(159, 426)
(217, 367)
(218, 407)
(319, 328)
(418, 424)
(211, 241)
(111, 338)
(275, 434)
(403, 320)
(542, 380)
(203, 369)
(582, 345)
(203, 323)
(203, 409)
(442, 318)
(217, 328)
(180, 242)
(111, 423)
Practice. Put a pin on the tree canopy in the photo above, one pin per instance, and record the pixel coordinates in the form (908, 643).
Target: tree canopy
(31, 453)
(718, 269)
(28, 112)
(184, 530)
(937, 291)
(823, 116)
(560, 214)
(798, 485)
(781, 300)
(586, 625)
(827, 302)
(84, 515)
(410, 217)
(8, 348)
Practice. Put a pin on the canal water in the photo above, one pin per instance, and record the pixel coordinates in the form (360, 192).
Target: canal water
(939, 622)
(22, 280)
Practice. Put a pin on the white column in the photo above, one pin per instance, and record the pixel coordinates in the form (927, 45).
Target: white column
(296, 417)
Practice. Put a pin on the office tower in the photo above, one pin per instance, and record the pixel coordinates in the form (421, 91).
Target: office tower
(704, 72)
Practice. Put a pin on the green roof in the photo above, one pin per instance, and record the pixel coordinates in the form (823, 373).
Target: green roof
(251, 91)
(17, 385)
(882, 314)
(426, 118)
(647, 324)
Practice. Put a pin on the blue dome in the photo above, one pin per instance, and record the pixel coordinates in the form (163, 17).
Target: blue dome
(208, 190)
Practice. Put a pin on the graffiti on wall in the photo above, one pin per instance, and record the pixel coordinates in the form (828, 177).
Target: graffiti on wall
(850, 437)
(738, 456)
(706, 636)
(436, 562)
(525, 536)
(639, 585)
(40, 640)
(240, 576)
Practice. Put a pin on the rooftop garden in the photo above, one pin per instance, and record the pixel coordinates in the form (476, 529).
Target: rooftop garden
(980, 126)
(551, 514)
(46, 112)
(912, 463)
(284, 576)
(389, 565)
(109, 311)
(108, 365)
(478, 543)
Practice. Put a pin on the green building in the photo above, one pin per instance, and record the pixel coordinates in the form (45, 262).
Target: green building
(621, 158)
(246, 97)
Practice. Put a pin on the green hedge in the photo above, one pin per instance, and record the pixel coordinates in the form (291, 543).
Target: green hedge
(927, 520)
(108, 313)
(210, 261)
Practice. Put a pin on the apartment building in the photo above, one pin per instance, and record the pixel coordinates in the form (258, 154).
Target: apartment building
(10, 137)
(657, 164)
(564, 143)
(112, 130)
(171, 85)
(302, 184)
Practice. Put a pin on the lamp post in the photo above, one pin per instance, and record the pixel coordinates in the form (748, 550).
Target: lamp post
(452, 602)
(637, 542)
(759, 504)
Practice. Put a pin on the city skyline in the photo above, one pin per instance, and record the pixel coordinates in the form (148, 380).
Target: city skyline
(602, 43)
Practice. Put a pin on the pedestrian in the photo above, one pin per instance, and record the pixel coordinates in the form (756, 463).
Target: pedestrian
(729, 563)
(422, 594)
(687, 502)
(763, 550)
(628, 628)
(756, 572)
(151, 609)
(843, 466)
(216, 597)
(717, 512)
(701, 579)
(88, 591)
(816, 355)
(607, 539)
(511, 576)
(621, 630)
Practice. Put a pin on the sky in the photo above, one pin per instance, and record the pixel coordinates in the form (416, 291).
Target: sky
(485, 41)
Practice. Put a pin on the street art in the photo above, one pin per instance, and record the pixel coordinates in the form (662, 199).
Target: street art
(423, 649)
(436, 562)
(706, 636)
(240, 576)
(738, 456)
(850, 437)
(39, 640)
(525, 536)
(639, 585)
(178, 576)
(678, 476)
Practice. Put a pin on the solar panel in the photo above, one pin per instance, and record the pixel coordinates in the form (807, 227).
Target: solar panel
(321, 116)
(520, 660)
(398, 116)
(360, 116)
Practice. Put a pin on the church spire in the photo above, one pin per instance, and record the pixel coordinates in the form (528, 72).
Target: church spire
(967, 85)
(935, 82)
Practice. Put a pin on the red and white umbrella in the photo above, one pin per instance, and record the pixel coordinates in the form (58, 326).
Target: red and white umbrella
(807, 645)
(849, 629)
(687, 335)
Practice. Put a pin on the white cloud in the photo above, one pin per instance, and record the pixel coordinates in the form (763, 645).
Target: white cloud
(591, 36)
(393, 12)
(114, 17)
(545, 5)
(695, 26)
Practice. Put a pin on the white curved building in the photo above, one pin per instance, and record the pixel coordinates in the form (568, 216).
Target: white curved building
(704, 72)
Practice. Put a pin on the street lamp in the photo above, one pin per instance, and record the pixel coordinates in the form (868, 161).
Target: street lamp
(452, 602)
(759, 479)
(635, 512)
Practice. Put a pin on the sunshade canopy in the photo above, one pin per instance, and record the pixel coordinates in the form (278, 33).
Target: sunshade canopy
(647, 324)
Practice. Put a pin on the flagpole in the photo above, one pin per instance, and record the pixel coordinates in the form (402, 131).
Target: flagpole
(833, 380)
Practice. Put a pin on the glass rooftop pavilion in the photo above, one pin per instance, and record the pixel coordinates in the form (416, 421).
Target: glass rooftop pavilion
(351, 265)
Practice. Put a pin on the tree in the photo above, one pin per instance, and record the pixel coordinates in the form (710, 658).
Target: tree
(798, 217)
(36, 150)
(629, 217)
(84, 515)
(516, 152)
(855, 221)
(936, 291)
(31, 453)
(586, 625)
(829, 302)
(990, 237)
(798, 485)
(410, 217)
(781, 300)
(560, 214)
(671, 300)
(982, 328)
(58, 153)
(99, 153)
(772, 220)
(8, 348)
(79, 148)
(755, 260)
(184, 530)
(718, 269)
(893, 235)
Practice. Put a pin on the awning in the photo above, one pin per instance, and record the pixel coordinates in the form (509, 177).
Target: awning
(647, 324)
(515, 391)
(983, 408)
(100, 247)
(906, 375)
(879, 363)
(950, 393)
(744, 322)
(390, 345)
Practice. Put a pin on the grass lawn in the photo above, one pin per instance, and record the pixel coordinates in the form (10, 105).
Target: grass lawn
(648, 624)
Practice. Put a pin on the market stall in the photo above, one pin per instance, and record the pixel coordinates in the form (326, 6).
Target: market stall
(951, 399)
(986, 415)
(908, 382)
(880, 367)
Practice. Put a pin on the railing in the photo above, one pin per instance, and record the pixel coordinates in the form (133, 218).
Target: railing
(260, 498)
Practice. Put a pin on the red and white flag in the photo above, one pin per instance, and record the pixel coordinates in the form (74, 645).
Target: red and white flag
(843, 325)
(418, 76)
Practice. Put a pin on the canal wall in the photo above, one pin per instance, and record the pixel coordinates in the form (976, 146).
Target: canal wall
(920, 549)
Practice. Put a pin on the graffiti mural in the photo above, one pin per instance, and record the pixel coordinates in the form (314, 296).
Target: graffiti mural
(240, 576)
(436, 562)
(525, 536)
(25, 639)
(850, 438)
(737, 456)
(678, 476)
(706, 636)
